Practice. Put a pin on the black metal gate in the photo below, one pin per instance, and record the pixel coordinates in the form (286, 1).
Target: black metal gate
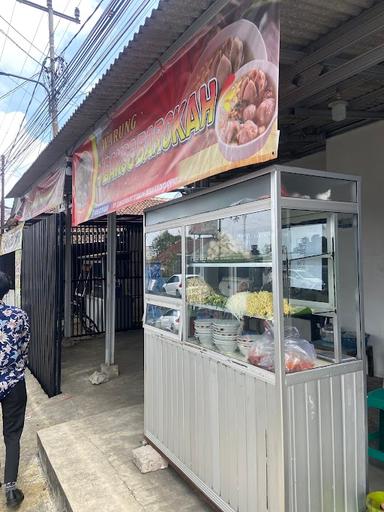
(89, 266)
(42, 298)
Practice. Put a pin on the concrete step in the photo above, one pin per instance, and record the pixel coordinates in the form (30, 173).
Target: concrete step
(89, 467)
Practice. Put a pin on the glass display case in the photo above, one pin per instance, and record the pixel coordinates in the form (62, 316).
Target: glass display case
(254, 341)
(234, 283)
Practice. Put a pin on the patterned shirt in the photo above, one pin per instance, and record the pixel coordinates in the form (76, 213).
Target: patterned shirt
(14, 341)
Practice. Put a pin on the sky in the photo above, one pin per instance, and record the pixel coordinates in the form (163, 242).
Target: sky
(24, 46)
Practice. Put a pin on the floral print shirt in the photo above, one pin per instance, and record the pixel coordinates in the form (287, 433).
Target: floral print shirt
(14, 341)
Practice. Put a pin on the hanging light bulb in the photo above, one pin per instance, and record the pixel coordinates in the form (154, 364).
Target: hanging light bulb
(338, 109)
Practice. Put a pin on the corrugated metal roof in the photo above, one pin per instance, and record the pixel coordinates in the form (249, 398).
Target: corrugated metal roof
(306, 26)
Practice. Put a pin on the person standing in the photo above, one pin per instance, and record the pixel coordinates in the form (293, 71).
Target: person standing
(14, 341)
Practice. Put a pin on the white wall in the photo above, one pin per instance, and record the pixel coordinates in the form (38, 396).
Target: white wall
(361, 152)
(315, 161)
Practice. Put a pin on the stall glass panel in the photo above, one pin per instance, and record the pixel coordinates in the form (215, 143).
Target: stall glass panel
(322, 296)
(348, 285)
(163, 263)
(318, 187)
(163, 317)
(308, 287)
(229, 283)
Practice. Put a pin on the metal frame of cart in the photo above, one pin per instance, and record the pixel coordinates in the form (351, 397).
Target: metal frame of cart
(250, 439)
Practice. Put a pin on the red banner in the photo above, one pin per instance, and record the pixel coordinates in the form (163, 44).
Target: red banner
(212, 108)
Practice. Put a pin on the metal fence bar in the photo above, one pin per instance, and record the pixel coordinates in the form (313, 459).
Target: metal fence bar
(89, 265)
(42, 280)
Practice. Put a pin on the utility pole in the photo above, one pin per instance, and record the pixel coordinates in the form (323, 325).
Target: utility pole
(2, 221)
(52, 70)
(55, 124)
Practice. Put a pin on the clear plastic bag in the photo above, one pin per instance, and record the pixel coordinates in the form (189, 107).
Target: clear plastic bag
(261, 349)
(300, 354)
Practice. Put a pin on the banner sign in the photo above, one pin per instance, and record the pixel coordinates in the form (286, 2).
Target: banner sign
(11, 240)
(44, 197)
(213, 107)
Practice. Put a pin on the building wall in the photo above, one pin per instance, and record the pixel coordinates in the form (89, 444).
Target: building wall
(361, 152)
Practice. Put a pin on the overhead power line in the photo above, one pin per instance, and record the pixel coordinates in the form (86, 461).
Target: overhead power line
(85, 66)
(82, 27)
(5, 39)
(19, 47)
(21, 35)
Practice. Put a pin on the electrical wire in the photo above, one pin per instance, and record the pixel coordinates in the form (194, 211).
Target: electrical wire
(5, 39)
(19, 47)
(91, 47)
(20, 85)
(114, 3)
(20, 34)
(81, 28)
(9, 153)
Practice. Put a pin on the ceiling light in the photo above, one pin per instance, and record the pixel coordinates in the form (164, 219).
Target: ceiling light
(338, 110)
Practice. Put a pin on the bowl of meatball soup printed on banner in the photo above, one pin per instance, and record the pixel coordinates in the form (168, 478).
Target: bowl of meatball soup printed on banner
(232, 47)
(247, 110)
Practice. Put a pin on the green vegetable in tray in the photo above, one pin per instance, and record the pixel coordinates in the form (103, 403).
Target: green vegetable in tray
(302, 311)
(215, 299)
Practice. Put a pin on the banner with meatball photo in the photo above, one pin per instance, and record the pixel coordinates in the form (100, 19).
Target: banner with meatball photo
(213, 107)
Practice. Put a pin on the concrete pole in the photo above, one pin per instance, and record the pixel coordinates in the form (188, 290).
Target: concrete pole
(53, 98)
(110, 307)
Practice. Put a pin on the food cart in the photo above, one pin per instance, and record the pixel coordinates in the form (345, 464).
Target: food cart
(252, 398)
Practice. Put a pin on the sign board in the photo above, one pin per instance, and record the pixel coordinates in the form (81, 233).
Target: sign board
(45, 197)
(213, 107)
(12, 240)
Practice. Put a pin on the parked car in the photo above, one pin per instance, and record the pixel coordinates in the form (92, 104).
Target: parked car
(170, 321)
(174, 284)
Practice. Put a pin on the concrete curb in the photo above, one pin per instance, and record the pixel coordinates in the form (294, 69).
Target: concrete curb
(55, 487)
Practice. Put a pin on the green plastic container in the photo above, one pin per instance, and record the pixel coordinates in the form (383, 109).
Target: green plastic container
(374, 500)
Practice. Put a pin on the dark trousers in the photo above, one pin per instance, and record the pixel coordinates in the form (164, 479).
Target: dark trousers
(13, 408)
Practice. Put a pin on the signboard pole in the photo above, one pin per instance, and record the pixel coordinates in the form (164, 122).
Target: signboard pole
(68, 274)
(110, 307)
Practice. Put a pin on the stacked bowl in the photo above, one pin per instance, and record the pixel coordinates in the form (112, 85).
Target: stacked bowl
(203, 332)
(224, 335)
(244, 342)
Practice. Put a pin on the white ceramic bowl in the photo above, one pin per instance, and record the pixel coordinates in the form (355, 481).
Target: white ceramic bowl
(244, 347)
(226, 347)
(235, 152)
(203, 331)
(249, 338)
(204, 335)
(204, 323)
(226, 322)
(207, 343)
(224, 335)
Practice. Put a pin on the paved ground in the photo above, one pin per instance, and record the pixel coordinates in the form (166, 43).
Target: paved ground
(79, 402)
(32, 479)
